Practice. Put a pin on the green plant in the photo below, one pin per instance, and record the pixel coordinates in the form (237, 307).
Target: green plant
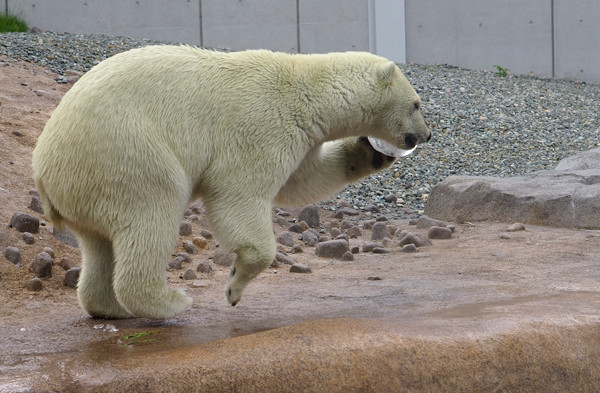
(502, 71)
(131, 339)
(10, 23)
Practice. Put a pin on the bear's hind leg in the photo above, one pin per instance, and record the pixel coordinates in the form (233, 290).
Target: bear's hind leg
(95, 288)
(141, 253)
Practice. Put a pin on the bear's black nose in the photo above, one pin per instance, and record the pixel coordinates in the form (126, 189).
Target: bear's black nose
(410, 141)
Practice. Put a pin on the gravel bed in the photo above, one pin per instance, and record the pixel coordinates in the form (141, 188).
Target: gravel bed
(483, 124)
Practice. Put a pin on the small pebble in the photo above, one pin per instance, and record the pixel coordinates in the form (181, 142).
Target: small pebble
(282, 258)
(286, 238)
(505, 236)
(206, 234)
(28, 238)
(36, 205)
(369, 224)
(189, 247)
(339, 215)
(369, 246)
(296, 228)
(35, 285)
(355, 250)
(348, 256)
(380, 231)
(23, 222)
(50, 251)
(176, 262)
(374, 278)
(354, 232)
(310, 215)
(380, 250)
(185, 228)
(200, 242)
(345, 224)
(300, 268)
(297, 248)
(199, 284)
(436, 232)
(517, 226)
(425, 222)
(66, 263)
(409, 248)
(42, 265)
(204, 267)
(332, 249)
(309, 238)
(189, 274)
(335, 232)
(72, 277)
(415, 238)
(13, 254)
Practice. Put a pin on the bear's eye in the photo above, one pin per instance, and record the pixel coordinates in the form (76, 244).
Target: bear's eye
(417, 106)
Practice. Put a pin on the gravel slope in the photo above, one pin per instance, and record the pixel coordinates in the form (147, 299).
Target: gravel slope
(483, 124)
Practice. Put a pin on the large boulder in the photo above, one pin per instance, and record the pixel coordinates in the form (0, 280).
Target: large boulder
(567, 196)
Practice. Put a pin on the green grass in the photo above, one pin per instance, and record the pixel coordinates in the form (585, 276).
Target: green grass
(11, 23)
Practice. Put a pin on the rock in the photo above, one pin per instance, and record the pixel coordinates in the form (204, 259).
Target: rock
(297, 249)
(348, 256)
(200, 242)
(380, 250)
(452, 227)
(381, 218)
(325, 238)
(369, 224)
(345, 225)
(282, 258)
(28, 238)
(369, 246)
(567, 196)
(66, 263)
(23, 222)
(205, 233)
(300, 268)
(35, 285)
(409, 248)
(189, 274)
(66, 236)
(355, 250)
(517, 226)
(225, 259)
(332, 249)
(339, 215)
(505, 236)
(72, 277)
(349, 211)
(310, 238)
(335, 232)
(50, 252)
(370, 207)
(186, 257)
(177, 262)
(282, 222)
(286, 238)
(343, 236)
(185, 228)
(199, 284)
(390, 198)
(380, 231)
(436, 232)
(309, 214)
(425, 222)
(42, 265)
(415, 238)
(281, 212)
(374, 278)
(36, 205)
(189, 247)
(204, 267)
(353, 232)
(392, 229)
(73, 76)
(297, 228)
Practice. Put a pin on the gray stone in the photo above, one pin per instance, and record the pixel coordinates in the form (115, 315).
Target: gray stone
(310, 238)
(348, 256)
(345, 225)
(332, 249)
(36, 205)
(185, 228)
(335, 232)
(309, 214)
(13, 254)
(297, 228)
(72, 277)
(204, 267)
(206, 234)
(282, 258)
(66, 263)
(355, 250)
(339, 215)
(353, 232)
(28, 238)
(189, 247)
(50, 251)
(567, 196)
(286, 238)
(343, 236)
(65, 236)
(349, 211)
(297, 248)
(370, 207)
(300, 268)
(186, 257)
(380, 231)
(415, 238)
(369, 246)
(436, 232)
(505, 236)
(425, 222)
(380, 250)
(189, 274)
(225, 259)
(24, 222)
(391, 198)
(176, 262)
(409, 248)
(35, 285)
(42, 265)
(369, 224)
(324, 238)
(517, 226)
(381, 218)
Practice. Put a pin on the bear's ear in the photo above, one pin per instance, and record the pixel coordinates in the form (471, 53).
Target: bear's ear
(386, 73)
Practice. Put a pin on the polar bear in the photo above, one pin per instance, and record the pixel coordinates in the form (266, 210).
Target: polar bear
(146, 131)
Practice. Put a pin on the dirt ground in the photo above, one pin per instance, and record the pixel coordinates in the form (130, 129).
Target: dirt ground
(473, 284)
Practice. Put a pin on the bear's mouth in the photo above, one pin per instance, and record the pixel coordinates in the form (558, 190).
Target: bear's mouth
(390, 150)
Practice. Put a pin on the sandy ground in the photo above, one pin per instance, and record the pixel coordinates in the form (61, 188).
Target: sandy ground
(473, 285)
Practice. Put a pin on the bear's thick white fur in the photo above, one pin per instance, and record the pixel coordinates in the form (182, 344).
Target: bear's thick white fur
(147, 131)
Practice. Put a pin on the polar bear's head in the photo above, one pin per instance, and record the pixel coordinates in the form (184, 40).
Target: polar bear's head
(397, 116)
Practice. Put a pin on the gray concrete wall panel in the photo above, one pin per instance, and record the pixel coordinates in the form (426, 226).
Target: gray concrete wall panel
(333, 26)
(169, 20)
(237, 24)
(577, 39)
(511, 33)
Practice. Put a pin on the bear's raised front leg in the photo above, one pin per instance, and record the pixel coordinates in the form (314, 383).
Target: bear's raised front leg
(142, 250)
(329, 167)
(95, 288)
(243, 225)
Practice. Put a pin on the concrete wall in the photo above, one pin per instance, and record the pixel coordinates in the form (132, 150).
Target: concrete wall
(549, 38)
